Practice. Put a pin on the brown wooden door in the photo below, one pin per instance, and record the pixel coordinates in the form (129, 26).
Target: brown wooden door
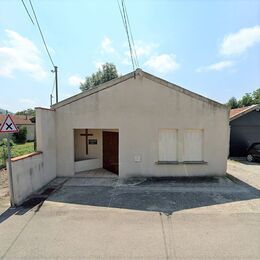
(110, 151)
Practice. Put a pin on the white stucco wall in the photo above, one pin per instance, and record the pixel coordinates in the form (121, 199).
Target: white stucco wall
(139, 108)
(46, 139)
(28, 176)
(31, 172)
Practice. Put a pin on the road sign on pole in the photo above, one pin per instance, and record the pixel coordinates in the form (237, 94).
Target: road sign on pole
(8, 126)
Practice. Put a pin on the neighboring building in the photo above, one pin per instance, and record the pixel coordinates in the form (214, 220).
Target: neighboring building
(245, 129)
(136, 125)
(21, 121)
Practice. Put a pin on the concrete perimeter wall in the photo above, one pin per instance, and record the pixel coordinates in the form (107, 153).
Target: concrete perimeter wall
(33, 171)
(46, 139)
(28, 176)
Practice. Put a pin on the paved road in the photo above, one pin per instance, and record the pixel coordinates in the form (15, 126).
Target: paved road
(188, 219)
(248, 172)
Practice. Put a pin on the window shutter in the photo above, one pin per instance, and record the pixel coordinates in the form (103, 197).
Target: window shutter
(167, 145)
(193, 145)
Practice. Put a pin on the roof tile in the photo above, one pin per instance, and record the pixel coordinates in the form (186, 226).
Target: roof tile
(18, 119)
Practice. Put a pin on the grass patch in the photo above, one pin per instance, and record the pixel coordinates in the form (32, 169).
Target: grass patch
(18, 150)
(22, 149)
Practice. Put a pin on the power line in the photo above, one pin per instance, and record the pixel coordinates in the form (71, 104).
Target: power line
(55, 83)
(44, 42)
(27, 12)
(47, 50)
(129, 35)
(125, 26)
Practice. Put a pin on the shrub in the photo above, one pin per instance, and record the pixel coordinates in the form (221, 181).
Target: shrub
(3, 150)
(20, 137)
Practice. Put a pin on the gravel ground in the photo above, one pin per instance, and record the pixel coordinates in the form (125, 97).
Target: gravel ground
(4, 193)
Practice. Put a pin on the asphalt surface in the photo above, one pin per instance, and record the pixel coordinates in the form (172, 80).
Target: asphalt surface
(103, 218)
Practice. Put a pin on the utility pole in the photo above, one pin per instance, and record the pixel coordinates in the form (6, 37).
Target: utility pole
(56, 82)
(10, 173)
(50, 100)
(8, 126)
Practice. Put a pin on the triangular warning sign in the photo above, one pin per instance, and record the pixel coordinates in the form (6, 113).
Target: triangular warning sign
(8, 126)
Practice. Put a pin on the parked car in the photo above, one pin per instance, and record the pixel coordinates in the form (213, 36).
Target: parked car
(253, 152)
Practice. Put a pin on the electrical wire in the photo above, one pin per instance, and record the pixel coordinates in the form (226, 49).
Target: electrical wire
(129, 35)
(43, 39)
(44, 42)
(127, 19)
(27, 12)
(128, 40)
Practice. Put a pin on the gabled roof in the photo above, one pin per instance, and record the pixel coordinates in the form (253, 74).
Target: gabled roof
(238, 112)
(18, 119)
(134, 74)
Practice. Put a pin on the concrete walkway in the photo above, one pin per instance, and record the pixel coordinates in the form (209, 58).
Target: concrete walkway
(101, 218)
(248, 172)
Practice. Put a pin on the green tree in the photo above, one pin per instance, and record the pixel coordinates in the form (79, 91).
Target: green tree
(106, 73)
(21, 136)
(27, 112)
(256, 96)
(246, 100)
(4, 151)
(232, 103)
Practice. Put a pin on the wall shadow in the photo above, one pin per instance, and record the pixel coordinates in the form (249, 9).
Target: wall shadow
(21, 210)
(166, 195)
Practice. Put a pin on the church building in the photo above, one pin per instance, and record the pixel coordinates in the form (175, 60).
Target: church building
(135, 125)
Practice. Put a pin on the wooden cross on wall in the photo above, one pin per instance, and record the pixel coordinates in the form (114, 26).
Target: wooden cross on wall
(86, 135)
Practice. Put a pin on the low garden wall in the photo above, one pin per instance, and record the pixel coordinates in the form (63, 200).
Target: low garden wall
(28, 176)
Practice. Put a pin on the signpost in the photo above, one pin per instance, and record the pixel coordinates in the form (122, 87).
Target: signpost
(8, 126)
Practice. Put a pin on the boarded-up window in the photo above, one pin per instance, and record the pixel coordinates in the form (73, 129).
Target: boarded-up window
(167, 145)
(193, 145)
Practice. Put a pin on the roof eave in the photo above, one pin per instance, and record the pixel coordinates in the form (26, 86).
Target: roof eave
(131, 75)
(183, 90)
(92, 91)
(251, 108)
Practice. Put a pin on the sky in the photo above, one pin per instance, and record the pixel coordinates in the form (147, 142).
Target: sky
(209, 47)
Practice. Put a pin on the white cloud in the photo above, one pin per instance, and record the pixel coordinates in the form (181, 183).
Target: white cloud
(237, 43)
(217, 66)
(75, 80)
(18, 53)
(106, 45)
(163, 63)
(142, 49)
